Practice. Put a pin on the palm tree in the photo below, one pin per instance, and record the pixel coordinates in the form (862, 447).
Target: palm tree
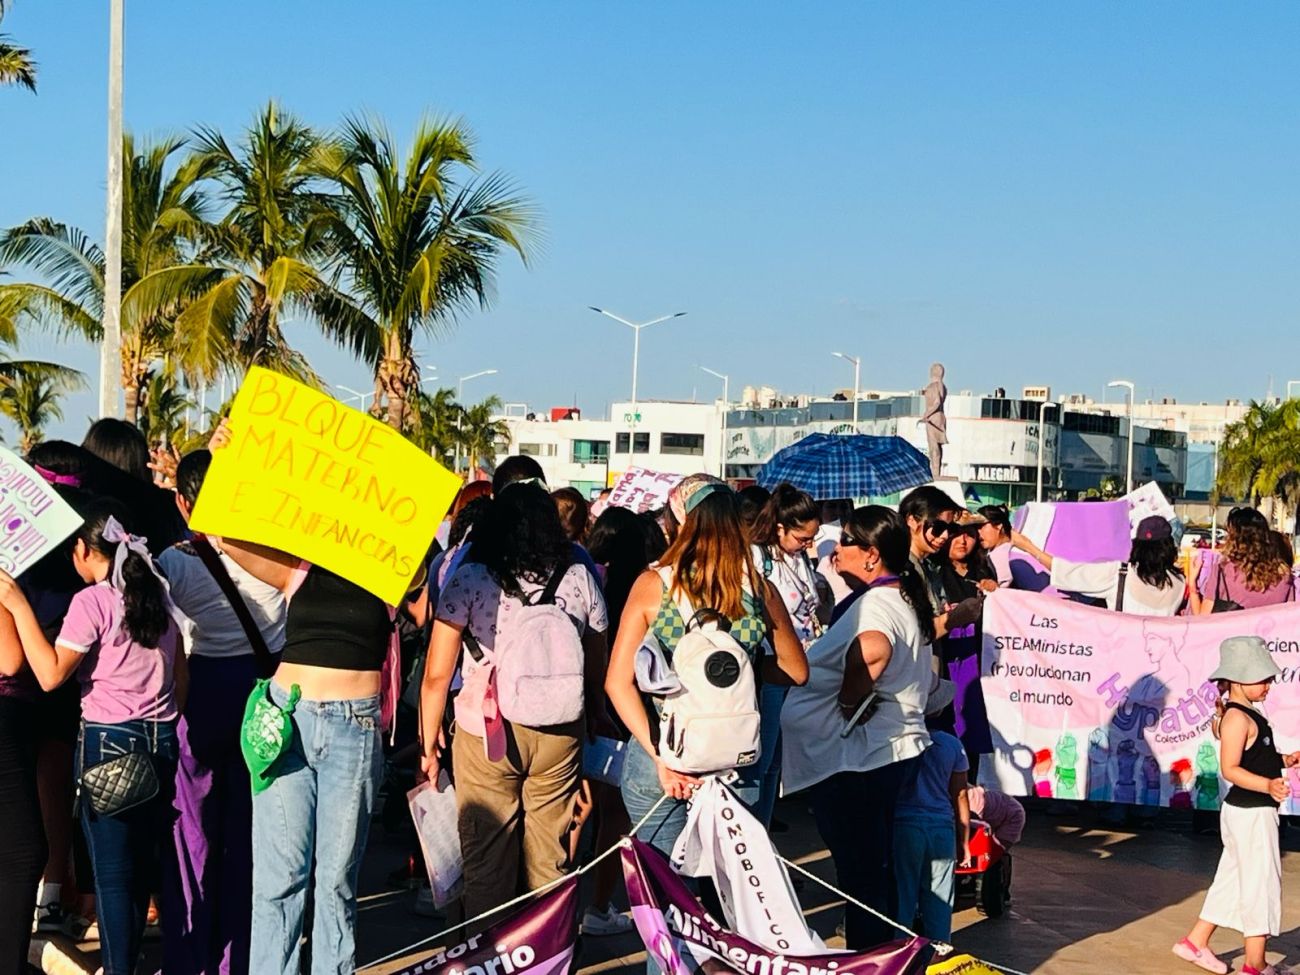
(434, 418)
(30, 395)
(163, 210)
(16, 64)
(481, 434)
(268, 244)
(162, 419)
(418, 243)
(1260, 455)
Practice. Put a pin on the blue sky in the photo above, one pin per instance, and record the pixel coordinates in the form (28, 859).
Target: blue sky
(1030, 192)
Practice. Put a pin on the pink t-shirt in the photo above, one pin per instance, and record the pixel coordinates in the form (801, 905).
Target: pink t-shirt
(120, 679)
(1234, 588)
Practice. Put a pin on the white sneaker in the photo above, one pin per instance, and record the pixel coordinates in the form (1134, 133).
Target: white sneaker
(609, 921)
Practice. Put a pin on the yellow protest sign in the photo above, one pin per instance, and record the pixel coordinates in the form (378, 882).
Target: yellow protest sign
(305, 474)
(960, 965)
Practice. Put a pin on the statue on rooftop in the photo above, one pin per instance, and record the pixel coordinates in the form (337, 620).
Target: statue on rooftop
(936, 423)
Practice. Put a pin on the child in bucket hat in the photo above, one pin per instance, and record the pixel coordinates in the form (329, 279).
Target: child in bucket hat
(1247, 891)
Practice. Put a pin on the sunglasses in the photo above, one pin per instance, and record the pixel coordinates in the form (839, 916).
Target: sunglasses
(848, 541)
(936, 526)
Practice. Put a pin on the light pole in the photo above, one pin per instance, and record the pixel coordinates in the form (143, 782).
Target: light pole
(1132, 393)
(726, 405)
(357, 395)
(1042, 447)
(460, 396)
(857, 375)
(110, 350)
(636, 351)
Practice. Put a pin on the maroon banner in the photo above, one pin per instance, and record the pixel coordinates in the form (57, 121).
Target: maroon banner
(684, 940)
(537, 940)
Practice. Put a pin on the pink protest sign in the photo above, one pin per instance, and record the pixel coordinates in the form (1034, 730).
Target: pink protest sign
(643, 490)
(1085, 703)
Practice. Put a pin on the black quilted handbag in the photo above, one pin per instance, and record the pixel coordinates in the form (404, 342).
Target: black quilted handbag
(120, 784)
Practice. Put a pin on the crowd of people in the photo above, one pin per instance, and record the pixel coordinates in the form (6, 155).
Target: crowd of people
(259, 687)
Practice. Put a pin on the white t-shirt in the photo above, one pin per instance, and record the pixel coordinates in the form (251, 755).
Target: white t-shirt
(1000, 559)
(211, 628)
(1101, 580)
(811, 721)
(795, 580)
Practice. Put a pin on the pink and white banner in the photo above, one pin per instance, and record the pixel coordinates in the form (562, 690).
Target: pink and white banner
(536, 940)
(1089, 704)
(683, 940)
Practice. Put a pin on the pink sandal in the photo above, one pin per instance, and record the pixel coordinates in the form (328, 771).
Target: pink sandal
(1202, 958)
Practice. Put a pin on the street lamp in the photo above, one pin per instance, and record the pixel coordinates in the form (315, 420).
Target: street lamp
(357, 395)
(460, 397)
(726, 405)
(636, 349)
(1042, 447)
(1132, 393)
(857, 373)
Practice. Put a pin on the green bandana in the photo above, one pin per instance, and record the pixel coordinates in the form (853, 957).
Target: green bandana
(267, 732)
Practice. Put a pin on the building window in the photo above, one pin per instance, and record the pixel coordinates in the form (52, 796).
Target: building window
(681, 443)
(640, 443)
(1092, 423)
(537, 449)
(591, 451)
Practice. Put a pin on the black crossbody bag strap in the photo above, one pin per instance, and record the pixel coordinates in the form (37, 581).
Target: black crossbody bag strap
(1119, 592)
(212, 562)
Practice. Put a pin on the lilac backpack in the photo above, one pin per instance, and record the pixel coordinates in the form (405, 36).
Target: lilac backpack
(535, 669)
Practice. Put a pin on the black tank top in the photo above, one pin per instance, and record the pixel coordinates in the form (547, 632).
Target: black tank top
(335, 623)
(1261, 757)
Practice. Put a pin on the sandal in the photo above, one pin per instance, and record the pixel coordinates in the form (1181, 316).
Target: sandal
(1201, 957)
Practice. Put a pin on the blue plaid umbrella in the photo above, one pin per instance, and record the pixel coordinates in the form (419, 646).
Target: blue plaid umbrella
(856, 466)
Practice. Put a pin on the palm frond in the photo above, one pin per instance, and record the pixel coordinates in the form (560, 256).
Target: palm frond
(16, 65)
(34, 305)
(64, 256)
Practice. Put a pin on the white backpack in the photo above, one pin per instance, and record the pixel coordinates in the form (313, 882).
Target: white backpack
(537, 663)
(711, 724)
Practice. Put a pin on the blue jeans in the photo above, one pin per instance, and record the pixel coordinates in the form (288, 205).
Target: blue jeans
(924, 859)
(770, 701)
(127, 850)
(641, 790)
(317, 808)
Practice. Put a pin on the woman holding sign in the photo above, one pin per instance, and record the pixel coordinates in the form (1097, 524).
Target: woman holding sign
(312, 803)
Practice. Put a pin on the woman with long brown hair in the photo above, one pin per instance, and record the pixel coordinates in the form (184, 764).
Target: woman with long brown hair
(1251, 571)
(709, 565)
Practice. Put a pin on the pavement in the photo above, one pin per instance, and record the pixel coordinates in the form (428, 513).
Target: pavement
(1085, 899)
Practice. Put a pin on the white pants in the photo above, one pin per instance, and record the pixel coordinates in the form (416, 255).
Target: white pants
(1247, 891)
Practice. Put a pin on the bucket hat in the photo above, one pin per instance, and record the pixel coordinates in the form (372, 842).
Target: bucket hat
(1245, 660)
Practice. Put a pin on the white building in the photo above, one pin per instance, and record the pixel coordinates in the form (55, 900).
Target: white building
(675, 438)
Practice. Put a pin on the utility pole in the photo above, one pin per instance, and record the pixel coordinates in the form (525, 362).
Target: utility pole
(110, 351)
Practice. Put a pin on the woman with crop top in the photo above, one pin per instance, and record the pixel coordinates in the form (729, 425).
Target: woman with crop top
(1247, 891)
(712, 565)
(121, 641)
(317, 809)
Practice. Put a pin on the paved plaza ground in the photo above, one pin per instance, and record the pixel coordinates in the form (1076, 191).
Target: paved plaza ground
(1085, 899)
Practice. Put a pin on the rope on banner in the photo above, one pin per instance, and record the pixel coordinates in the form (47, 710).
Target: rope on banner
(942, 948)
(529, 895)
